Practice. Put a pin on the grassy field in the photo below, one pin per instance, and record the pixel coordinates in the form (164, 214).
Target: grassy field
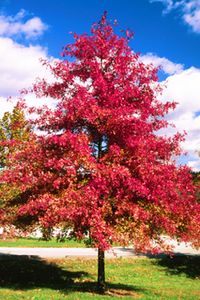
(74, 279)
(33, 242)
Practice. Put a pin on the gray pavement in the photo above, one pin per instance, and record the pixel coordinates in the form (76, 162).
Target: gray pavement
(66, 252)
(87, 252)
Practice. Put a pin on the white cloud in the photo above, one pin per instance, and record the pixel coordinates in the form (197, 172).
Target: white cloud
(165, 64)
(192, 17)
(184, 88)
(190, 11)
(15, 25)
(194, 165)
(169, 4)
(19, 66)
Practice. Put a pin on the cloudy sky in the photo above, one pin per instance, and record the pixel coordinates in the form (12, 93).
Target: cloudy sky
(167, 33)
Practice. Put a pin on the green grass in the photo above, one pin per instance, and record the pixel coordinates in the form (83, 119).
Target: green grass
(33, 242)
(75, 279)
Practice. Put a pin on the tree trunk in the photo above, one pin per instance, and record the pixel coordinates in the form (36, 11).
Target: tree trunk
(101, 253)
(101, 271)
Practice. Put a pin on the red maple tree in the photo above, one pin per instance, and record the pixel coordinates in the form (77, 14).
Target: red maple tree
(100, 168)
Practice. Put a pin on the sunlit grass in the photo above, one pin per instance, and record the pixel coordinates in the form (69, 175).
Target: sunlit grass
(34, 242)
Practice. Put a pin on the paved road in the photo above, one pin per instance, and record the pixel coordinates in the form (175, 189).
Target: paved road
(87, 252)
(66, 252)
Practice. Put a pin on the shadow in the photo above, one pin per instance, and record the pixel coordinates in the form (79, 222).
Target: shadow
(126, 250)
(22, 272)
(112, 289)
(26, 272)
(180, 264)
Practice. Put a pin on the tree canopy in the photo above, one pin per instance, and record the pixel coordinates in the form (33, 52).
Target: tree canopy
(15, 132)
(13, 129)
(100, 167)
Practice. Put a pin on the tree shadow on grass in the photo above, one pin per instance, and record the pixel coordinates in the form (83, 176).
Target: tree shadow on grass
(181, 264)
(29, 272)
(26, 272)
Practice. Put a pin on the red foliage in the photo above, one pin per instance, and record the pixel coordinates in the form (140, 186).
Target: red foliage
(100, 168)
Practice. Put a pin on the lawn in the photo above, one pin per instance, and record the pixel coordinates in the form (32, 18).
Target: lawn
(34, 242)
(134, 278)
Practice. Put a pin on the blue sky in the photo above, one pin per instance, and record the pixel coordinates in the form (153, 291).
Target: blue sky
(167, 33)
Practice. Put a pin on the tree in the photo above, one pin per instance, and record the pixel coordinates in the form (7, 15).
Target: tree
(100, 168)
(196, 182)
(15, 132)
